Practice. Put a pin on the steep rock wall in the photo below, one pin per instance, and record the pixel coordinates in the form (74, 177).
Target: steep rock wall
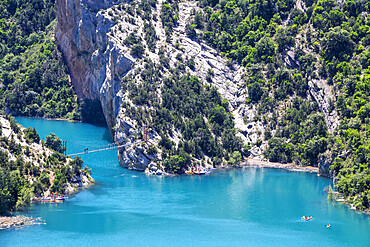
(91, 35)
(95, 63)
(91, 43)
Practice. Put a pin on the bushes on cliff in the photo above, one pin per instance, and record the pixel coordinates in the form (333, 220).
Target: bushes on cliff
(185, 104)
(32, 71)
(150, 35)
(337, 43)
(137, 50)
(53, 142)
(169, 17)
(132, 39)
(8, 190)
(31, 135)
(190, 31)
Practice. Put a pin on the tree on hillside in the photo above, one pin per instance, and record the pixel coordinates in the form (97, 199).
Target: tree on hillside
(265, 48)
(337, 43)
(54, 142)
(255, 92)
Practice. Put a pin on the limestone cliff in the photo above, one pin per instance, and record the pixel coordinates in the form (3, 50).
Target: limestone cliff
(92, 34)
(95, 62)
(91, 42)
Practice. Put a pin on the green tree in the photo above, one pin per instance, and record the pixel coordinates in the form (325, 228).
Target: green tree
(24, 198)
(53, 142)
(6, 199)
(175, 164)
(337, 43)
(265, 48)
(31, 135)
(255, 92)
(190, 31)
(235, 158)
(137, 50)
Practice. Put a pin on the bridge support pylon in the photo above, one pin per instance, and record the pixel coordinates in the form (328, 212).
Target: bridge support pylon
(64, 147)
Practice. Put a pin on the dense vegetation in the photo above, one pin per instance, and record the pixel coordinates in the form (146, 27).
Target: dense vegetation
(33, 76)
(169, 17)
(286, 46)
(329, 42)
(25, 173)
(185, 108)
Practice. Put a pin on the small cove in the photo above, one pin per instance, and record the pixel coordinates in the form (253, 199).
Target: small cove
(238, 207)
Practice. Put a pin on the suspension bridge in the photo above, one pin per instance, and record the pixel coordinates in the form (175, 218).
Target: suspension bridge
(110, 146)
(114, 146)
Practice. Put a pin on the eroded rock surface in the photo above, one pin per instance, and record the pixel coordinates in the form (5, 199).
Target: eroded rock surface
(91, 36)
(95, 62)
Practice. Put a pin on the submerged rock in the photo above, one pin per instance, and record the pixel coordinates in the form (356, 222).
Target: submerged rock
(7, 222)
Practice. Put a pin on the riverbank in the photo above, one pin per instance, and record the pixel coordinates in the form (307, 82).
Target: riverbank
(7, 222)
(338, 197)
(248, 162)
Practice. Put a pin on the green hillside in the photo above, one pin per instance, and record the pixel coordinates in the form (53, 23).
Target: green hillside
(30, 167)
(293, 51)
(34, 80)
(330, 43)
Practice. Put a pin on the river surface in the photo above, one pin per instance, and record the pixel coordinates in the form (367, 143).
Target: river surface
(239, 207)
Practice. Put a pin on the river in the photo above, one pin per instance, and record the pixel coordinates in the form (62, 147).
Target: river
(237, 207)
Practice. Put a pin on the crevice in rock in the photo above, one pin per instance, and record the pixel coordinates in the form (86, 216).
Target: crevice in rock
(92, 112)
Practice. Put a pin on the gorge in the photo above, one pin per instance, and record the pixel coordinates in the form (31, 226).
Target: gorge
(214, 81)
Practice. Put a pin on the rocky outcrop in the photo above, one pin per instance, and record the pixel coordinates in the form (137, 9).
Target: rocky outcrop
(153, 169)
(324, 165)
(18, 221)
(95, 62)
(91, 35)
(324, 97)
(133, 158)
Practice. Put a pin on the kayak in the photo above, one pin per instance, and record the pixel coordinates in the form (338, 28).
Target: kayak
(306, 218)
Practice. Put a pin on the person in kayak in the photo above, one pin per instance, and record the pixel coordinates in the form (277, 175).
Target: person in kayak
(307, 218)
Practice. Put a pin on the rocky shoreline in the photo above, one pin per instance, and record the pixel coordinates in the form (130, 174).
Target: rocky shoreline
(338, 197)
(7, 222)
(289, 166)
(248, 162)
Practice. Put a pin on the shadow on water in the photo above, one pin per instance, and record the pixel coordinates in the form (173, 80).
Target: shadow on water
(107, 136)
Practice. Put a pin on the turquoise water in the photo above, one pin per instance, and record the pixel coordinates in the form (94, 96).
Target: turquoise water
(242, 207)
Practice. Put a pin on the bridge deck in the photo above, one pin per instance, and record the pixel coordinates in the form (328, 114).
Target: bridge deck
(104, 149)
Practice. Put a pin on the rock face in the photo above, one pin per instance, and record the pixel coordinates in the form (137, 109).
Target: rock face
(95, 63)
(91, 35)
(324, 168)
(91, 43)
(323, 95)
